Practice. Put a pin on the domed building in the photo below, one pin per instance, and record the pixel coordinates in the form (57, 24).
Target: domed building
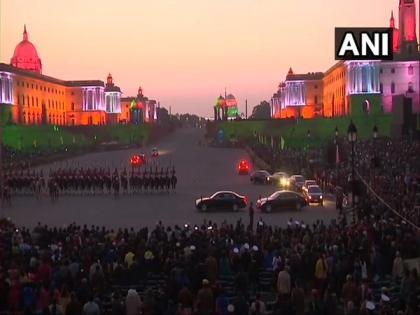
(226, 107)
(32, 98)
(25, 56)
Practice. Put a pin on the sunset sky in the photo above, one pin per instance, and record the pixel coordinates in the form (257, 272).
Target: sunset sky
(185, 52)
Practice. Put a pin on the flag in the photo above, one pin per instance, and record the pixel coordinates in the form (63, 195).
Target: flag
(337, 155)
(282, 143)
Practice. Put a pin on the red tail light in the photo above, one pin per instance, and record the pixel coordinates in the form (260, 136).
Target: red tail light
(246, 200)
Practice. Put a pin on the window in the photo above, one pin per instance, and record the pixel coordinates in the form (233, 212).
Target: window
(33, 101)
(410, 87)
(316, 86)
(392, 70)
(381, 71)
(27, 85)
(32, 86)
(392, 87)
(316, 99)
(410, 70)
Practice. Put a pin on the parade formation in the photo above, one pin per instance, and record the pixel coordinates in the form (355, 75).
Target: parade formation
(90, 181)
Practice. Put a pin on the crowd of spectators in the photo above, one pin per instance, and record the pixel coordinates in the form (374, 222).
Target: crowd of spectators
(329, 269)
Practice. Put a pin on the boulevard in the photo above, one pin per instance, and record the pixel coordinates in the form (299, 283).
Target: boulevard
(201, 171)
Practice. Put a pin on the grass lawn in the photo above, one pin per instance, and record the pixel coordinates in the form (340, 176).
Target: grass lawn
(25, 138)
(295, 134)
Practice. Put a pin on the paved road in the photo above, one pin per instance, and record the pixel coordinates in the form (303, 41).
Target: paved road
(200, 171)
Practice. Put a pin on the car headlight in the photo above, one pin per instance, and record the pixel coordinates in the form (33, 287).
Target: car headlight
(268, 178)
(320, 197)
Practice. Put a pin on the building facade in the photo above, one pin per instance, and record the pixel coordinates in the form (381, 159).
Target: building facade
(300, 95)
(356, 87)
(31, 97)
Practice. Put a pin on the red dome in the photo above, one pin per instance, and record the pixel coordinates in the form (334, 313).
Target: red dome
(25, 55)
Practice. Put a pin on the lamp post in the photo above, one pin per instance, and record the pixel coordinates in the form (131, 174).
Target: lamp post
(308, 136)
(375, 132)
(308, 139)
(336, 144)
(352, 138)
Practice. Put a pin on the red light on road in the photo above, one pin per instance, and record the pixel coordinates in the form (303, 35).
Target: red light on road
(136, 160)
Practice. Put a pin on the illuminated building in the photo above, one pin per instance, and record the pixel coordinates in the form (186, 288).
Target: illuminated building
(401, 76)
(334, 92)
(357, 87)
(226, 107)
(25, 55)
(31, 97)
(138, 109)
(300, 95)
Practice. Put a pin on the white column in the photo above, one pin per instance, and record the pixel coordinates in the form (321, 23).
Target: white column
(2, 96)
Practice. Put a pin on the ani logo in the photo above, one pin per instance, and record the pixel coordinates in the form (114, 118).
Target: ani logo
(363, 43)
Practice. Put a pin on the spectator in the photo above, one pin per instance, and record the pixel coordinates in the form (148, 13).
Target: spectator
(74, 307)
(133, 303)
(118, 306)
(222, 302)
(298, 300)
(398, 266)
(257, 306)
(349, 291)
(205, 303)
(55, 308)
(91, 307)
(321, 273)
(284, 284)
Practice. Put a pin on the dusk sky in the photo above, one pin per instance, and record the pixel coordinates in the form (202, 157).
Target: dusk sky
(185, 52)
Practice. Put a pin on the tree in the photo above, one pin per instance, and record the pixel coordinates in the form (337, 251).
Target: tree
(163, 116)
(261, 111)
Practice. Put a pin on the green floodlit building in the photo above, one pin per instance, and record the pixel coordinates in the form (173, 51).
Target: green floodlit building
(226, 107)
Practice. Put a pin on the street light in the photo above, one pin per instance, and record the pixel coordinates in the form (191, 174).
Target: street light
(352, 137)
(375, 132)
(375, 157)
(335, 135)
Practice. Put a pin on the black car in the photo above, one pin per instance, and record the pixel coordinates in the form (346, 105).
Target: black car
(284, 199)
(260, 177)
(222, 200)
